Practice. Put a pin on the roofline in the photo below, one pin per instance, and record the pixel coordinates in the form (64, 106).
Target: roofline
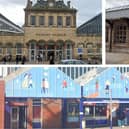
(52, 9)
(89, 20)
(11, 22)
(11, 31)
(118, 8)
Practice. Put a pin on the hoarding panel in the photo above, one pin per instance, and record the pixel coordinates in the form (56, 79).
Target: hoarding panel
(42, 82)
(103, 84)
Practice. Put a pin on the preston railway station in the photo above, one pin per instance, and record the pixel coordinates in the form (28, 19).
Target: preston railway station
(50, 30)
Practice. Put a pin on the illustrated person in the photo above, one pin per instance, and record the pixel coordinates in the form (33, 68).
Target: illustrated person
(25, 82)
(45, 86)
(126, 89)
(107, 87)
(30, 81)
(96, 85)
(64, 84)
(113, 78)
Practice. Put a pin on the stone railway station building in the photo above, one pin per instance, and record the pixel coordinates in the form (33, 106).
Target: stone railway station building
(50, 30)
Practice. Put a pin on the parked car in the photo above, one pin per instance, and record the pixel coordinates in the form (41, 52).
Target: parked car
(72, 61)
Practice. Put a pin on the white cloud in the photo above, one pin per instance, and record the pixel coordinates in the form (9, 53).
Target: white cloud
(13, 13)
(13, 9)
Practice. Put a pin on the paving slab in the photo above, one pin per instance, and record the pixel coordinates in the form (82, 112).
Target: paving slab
(117, 58)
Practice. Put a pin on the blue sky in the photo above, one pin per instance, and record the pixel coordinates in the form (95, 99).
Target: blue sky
(13, 9)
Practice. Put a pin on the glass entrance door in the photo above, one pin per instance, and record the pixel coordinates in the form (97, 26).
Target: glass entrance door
(14, 118)
(32, 52)
(18, 118)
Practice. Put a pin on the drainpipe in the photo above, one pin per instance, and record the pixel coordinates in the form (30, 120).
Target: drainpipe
(111, 29)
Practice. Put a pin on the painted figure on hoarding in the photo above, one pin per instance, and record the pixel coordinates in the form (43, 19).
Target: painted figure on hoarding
(96, 85)
(27, 81)
(107, 87)
(126, 85)
(64, 83)
(45, 86)
(113, 78)
(30, 81)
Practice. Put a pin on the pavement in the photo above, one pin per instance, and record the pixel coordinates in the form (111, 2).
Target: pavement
(126, 127)
(47, 62)
(117, 58)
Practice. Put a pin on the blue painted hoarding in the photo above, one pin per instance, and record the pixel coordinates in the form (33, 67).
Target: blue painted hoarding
(53, 83)
(42, 82)
(108, 82)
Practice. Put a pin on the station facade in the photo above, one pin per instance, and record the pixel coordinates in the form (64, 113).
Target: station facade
(50, 30)
(34, 97)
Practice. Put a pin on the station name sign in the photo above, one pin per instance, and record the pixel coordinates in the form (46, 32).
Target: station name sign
(41, 34)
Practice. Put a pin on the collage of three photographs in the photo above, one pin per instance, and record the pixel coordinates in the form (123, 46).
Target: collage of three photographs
(64, 64)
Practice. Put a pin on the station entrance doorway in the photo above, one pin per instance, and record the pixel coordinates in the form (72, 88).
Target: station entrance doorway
(18, 117)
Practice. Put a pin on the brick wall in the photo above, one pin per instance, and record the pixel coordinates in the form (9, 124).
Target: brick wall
(2, 92)
(52, 113)
(29, 114)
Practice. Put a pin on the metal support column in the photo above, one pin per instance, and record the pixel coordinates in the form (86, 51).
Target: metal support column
(81, 108)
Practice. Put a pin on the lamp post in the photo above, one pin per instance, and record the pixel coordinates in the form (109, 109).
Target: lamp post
(110, 96)
(110, 93)
(81, 106)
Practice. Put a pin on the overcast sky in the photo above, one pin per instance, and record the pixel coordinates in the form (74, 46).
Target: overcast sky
(116, 3)
(13, 9)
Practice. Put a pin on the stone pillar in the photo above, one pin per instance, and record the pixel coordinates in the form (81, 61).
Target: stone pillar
(73, 45)
(46, 52)
(65, 47)
(55, 56)
(74, 21)
(29, 113)
(64, 21)
(2, 105)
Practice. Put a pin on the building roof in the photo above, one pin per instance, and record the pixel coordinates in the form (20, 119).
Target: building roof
(117, 8)
(56, 5)
(87, 77)
(92, 26)
(8, 26)
(118, 12)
